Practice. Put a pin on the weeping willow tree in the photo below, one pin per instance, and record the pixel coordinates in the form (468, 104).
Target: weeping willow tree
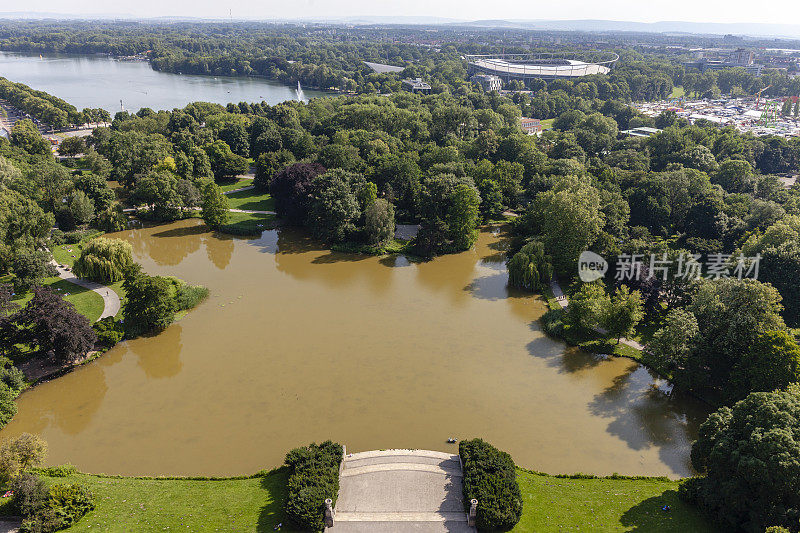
(104, 260)
(530, 268)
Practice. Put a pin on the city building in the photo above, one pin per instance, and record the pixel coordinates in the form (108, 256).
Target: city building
(717, 59)
(640, 132)
(531, 126)
(416, 85)
(489, 82)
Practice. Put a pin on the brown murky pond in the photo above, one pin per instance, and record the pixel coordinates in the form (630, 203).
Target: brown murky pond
(299, 344)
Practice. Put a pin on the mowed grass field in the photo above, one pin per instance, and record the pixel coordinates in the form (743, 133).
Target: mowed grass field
(86, 302)
(605, 504)
(257, 504)
(251, 200)
(139, 504)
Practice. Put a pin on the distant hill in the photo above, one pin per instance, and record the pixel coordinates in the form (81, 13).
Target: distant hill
(714, 28)
(588, 25)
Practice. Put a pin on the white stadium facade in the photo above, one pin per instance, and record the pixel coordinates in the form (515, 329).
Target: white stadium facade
(545, 66)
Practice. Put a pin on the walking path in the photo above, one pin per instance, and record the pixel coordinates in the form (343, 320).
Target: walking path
(240, 189)
(111, 300)
(401, 490)
(562, 300)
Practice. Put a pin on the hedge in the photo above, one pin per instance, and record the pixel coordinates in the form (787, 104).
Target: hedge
(313, 477)
(490, 477)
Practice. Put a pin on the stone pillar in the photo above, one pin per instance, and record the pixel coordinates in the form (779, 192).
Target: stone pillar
(473, 512)
(328, 513)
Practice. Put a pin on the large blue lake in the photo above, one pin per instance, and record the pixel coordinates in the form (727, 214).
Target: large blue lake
(99, 81)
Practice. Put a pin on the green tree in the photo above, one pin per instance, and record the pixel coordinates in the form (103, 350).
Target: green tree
(51, 325)
(334, 208)
(30, 267)
(26, 135)
(18, 454)
(224, 163)
(530, 268)
(159, 191)
(81, 207)
(731, 314)
(624, 312)
(104, 260)
(150, 304)
(72, 146)
(772, 362)
(569, 220)
(672, 343)
(463, 216)
(749, 460)
(379, 221)
(215, 206)
(587, 306)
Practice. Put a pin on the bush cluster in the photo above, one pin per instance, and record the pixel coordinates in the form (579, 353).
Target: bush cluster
(109, 331)
(49, 509)
(490, 477)
(314, 477)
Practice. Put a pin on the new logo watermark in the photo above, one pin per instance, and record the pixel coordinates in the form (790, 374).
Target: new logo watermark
(685, 266)
(591, 267)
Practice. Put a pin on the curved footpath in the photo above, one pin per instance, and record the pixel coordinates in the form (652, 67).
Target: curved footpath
(562, 300)
(111, 300)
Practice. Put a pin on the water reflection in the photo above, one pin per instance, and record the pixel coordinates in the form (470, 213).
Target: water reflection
(219, 248)
(160, 355)
(299, 344)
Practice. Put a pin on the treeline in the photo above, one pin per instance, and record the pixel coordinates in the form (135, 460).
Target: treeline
(326, 57)
(46, 107)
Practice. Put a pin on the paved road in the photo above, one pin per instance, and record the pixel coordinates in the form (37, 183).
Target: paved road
(399, 491)
(111, 300)
(10, 524)
(249, 187)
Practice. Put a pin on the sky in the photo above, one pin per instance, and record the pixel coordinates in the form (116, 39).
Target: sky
(766, 11)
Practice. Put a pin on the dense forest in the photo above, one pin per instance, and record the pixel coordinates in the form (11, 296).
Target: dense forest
(332, 58)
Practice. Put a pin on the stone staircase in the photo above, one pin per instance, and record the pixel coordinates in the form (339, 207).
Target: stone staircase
(400, 490)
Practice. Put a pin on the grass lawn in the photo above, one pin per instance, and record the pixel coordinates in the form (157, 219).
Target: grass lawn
(248, 223)
(131, 504)
(86, 302)
(251, 200)
(66, 254)
(677, 92)
(604, 504)
(238, 183)
(547, 124)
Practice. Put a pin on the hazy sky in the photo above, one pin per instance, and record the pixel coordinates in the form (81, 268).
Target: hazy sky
(771, 11)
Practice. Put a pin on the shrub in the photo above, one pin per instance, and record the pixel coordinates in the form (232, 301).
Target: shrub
(314, 477)
(189, 296)
(46, 510)
(553, 323)
(8, 407)
(69, 503)
(490, 477)
(109, 331)
(57, 237)
(30, 494)
(60, 470)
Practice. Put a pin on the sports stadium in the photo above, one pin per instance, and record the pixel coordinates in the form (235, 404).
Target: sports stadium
(546, 66)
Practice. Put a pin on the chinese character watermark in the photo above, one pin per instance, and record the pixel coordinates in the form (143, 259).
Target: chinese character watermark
(684, 266)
